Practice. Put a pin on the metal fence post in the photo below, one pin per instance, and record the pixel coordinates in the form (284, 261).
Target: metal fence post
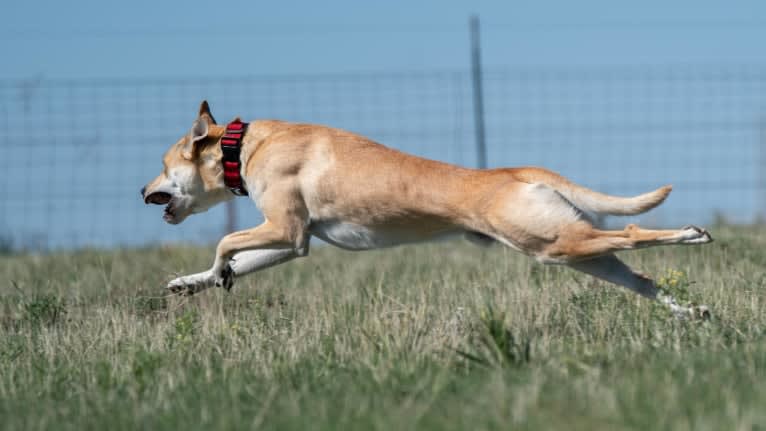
(478, 97)
(231, 216)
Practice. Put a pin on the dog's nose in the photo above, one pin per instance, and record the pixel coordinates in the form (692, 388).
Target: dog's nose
(143, 190)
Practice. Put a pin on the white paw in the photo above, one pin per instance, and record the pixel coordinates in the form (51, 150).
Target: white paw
(701, 312)
(190, 284)
(695, 235)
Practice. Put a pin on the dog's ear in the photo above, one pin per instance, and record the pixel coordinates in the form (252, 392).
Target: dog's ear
(201, 129)
(204, 113)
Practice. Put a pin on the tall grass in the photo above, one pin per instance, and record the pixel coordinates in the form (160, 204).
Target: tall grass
(444, 336)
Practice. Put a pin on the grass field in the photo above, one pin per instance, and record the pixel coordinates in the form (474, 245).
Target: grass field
(445, 336)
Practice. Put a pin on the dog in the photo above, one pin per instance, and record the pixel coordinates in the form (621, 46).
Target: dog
(356, 194)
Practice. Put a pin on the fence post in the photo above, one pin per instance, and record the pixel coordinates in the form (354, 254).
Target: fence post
(231, 216)
(478, 99)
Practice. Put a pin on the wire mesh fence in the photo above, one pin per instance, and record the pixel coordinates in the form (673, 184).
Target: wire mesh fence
(76, 153)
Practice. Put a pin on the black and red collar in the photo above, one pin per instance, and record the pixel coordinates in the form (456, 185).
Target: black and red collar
(231, 146)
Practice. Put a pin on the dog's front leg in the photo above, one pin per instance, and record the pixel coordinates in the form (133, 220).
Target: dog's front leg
(241, 264)
(260, 247)
(268, 235)
(247, 262)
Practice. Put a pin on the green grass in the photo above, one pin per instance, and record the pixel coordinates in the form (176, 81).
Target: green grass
(445, 336)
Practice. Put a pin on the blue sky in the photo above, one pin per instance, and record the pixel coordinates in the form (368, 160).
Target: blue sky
(80, 39)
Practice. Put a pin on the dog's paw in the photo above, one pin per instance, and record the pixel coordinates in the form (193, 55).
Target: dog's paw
(700, 312)
(225, 278)
(190, 284)
(695, 235)
(694, 312)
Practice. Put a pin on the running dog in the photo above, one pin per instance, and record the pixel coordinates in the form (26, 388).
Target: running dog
(311, 180)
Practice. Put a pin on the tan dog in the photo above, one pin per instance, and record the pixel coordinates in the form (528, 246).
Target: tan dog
(356, 194)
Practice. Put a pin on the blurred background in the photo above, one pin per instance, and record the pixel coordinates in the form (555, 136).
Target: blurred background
(622, 98)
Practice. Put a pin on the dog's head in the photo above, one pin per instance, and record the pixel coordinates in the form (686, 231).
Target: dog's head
(191, 180)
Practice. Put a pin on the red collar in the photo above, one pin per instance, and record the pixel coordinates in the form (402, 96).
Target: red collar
(231, 145)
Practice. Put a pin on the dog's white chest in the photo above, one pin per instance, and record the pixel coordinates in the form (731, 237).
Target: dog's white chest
(353, 236)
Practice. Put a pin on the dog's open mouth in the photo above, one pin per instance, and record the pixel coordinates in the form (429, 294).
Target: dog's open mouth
(158, 198)
(169, 214)
(162, 198)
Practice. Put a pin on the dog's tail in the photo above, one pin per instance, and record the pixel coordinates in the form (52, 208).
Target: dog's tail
(592, 201)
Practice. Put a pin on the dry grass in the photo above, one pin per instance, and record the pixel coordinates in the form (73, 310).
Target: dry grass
(444, 336)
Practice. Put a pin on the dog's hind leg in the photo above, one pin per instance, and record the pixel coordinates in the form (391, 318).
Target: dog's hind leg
(613, 270)
(581, 241)
(478, 238)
